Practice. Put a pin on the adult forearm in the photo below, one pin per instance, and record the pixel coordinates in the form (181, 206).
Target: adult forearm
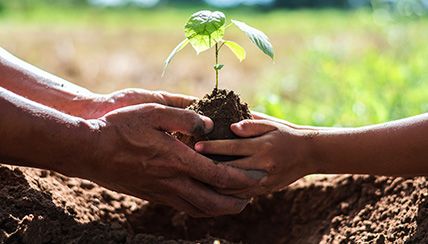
(394, 148)
(37, 136)
(35, 84)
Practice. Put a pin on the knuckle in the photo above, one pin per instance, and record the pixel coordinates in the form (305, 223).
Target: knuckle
(195, 123)
(221, 184)
(153, 108)
(159, 108)
(267, 146)
(221, 178)
(160, 96)
(235, 207)
(218, 180)
(208, 207)
(270, 166)
(154, 111)
(246, 124)
(184, 162)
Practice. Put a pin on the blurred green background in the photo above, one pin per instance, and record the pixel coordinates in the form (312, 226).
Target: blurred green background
(338, 62)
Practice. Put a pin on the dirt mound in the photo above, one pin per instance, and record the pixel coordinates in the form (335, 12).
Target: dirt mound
(224, 108)
(39, 206)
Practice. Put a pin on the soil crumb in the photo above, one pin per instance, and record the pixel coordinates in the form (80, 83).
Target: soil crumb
(224, 108)
(39, 206)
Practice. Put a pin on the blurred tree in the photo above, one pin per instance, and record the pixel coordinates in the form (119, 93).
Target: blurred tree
(28, 4)
(67, 2)
(405, 8)
(310, 3)
(177, 2)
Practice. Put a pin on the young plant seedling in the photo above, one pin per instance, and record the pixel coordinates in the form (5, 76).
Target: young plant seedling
(205, 30)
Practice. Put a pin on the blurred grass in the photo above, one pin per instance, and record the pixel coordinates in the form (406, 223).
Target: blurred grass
(332, 67)
(356, 77)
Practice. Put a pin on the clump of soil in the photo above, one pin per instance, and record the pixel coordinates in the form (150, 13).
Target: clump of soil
(224, 108)
(38, 206)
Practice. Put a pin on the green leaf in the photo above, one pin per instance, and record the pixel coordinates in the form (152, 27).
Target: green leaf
(236, 49)
(257, 37)
(177, 49)
(204, 29)
(218, 66)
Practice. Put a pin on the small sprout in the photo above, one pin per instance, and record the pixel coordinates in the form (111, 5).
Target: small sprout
(205, 29)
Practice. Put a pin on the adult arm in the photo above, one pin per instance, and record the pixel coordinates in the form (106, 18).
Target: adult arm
(127, 150)
(37, 85)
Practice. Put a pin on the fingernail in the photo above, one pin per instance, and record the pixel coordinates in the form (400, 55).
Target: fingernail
(199, 147)
(263, 181)
(208, 124)
(244, 203)
(256, 174)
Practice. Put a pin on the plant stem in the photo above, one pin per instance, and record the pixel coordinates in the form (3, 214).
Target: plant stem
(216, 62)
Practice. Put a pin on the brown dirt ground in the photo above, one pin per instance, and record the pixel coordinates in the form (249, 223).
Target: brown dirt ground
(38, 206)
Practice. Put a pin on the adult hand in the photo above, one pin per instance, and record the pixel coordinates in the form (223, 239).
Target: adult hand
(275, 148)
(97, 105)
(39, 86)
(137, 155)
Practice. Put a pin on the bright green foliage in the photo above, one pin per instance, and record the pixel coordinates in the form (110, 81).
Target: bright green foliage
(257, 37)
(177, 49)
(205, 29)
(236, 49)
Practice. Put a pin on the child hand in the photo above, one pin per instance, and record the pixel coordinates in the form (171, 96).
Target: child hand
(281, 151)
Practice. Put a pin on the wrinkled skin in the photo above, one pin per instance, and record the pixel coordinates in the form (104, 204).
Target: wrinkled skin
(144, 161)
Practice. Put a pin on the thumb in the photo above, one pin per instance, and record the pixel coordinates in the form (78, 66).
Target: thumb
(181, 120)
(251, 128)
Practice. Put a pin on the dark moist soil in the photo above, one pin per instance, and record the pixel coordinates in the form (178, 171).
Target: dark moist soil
(38, 206)
(224, 108)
